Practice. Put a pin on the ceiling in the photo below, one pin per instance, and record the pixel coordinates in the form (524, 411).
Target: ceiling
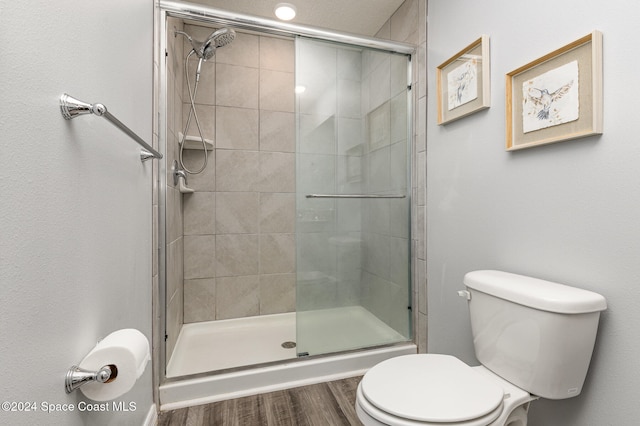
(364, 17)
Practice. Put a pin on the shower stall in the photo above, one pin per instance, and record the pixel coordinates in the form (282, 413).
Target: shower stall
(285, 203)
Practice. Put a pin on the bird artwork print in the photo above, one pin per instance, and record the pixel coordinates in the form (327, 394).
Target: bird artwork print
(543, 99)
(551, 98)
(463, 84)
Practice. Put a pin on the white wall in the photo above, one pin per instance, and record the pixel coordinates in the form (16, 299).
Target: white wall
(567, 212)
(75, 209)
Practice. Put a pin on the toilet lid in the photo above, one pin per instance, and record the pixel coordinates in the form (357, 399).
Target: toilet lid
(430, 388)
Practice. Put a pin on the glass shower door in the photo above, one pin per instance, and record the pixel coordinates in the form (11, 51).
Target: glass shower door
(352, 197)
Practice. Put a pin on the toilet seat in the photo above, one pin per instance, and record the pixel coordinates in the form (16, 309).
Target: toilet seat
(429, 390)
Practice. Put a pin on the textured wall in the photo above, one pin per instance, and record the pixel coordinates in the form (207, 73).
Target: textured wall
(565, 212)
(75, 215)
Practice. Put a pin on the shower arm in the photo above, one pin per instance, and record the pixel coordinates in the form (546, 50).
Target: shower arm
(72, 108)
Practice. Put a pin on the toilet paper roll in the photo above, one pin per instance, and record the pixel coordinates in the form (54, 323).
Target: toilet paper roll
(128, 350)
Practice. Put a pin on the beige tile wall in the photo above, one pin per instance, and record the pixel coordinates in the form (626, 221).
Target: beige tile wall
(409, 24)
(174, 210)
(239, 245)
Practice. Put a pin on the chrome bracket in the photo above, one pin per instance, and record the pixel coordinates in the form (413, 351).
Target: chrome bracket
(77, 376)
(72, 108)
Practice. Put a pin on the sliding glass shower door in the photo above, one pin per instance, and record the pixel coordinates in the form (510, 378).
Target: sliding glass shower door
(352, 197)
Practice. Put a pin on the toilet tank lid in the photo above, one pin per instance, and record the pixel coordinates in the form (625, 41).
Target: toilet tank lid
(535, 293)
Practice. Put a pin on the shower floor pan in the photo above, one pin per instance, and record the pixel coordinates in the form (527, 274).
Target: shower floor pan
(223, 344)
(219, 345)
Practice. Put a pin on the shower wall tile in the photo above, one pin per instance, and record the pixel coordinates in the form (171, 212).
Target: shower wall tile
(237, 86)
(404, 23)
(194, 159)
(380, 84)
(349, 98)
(199, 300)
(398, 70)
(242, 51)
(237, 254)
(398, 110)
(277, 131)
(277, 172)
(399, 253)
(236, 170)
(174, 321)
(420, 225)
(277, 54)
(349, 65)
(277, 293)
(421, 178)
(174, 248)
(377, 255)
(379, 127)
(206, 118)
(175, 268)
(199, 210)
(379, 170)
(277, 212)
(399, 218)
(199, 252)
(196, 32)
(237, 128)
(174, 215)
(276, 90)
(206, 93)
(277, 253)
(237, 297)
(237, 212)
(171, 96)
(349, 136)
(398, 167)
(319, 176)
(317, 134)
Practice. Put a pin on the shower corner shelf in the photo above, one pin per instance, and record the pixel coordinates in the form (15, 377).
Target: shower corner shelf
(195, 142)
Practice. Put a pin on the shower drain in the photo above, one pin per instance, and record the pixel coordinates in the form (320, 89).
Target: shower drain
(289, 345)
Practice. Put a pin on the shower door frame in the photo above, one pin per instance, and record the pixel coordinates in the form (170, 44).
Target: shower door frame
(199, 13)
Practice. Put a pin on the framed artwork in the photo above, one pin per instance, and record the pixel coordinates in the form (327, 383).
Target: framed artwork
(557, 97)
(463, 82)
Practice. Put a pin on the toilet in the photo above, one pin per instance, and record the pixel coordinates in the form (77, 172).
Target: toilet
(533, 338)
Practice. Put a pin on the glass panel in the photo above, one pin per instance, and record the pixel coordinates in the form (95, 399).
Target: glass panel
(353, 279)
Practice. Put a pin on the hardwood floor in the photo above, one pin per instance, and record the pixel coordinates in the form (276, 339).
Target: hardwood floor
(324, 404)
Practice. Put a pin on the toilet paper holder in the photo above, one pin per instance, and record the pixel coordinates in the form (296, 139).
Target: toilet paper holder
(77, 376)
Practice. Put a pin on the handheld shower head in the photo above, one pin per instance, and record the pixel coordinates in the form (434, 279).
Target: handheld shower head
(222, 37)
(206, 49)
(218, 38)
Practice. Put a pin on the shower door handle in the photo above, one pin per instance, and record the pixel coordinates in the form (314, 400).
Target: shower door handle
(354, 196)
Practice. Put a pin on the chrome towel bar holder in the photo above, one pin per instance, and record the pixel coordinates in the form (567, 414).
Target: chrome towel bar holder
(72, 108)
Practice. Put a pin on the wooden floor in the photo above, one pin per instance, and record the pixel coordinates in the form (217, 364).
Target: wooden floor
(324, 404)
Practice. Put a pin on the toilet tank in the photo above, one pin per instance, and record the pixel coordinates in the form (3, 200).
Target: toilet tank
(536, 334)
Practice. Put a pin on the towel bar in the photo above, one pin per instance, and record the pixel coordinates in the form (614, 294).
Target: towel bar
(354, 196)
(72, 107)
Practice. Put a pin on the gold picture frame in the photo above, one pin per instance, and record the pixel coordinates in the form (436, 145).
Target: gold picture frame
(557, 97)
(464, 83)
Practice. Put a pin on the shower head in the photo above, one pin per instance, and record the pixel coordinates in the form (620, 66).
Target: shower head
(222, 37)
(206, 49)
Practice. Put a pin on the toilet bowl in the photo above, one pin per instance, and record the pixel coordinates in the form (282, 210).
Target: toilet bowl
(517, 323)
(432, 389)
